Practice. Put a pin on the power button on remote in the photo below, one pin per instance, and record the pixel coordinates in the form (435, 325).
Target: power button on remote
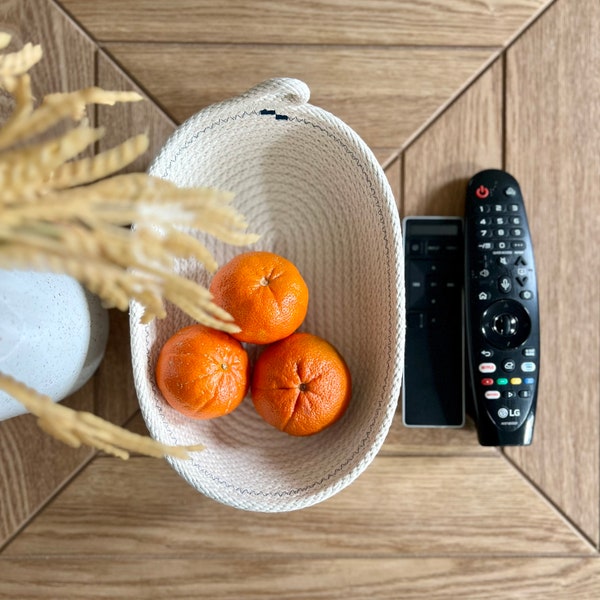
(482, 192)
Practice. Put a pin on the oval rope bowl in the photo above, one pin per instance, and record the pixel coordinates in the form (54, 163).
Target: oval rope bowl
(314, 192)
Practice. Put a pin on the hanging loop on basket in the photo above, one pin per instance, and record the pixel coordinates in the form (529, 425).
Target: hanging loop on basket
(279, 90)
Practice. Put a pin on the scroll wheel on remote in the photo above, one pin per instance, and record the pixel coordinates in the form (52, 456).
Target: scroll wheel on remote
(506, 324)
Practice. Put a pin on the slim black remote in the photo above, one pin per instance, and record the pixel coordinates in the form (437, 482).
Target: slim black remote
(502, 312)
(433, 385)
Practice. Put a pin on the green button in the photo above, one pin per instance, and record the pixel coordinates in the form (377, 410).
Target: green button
(502, 381)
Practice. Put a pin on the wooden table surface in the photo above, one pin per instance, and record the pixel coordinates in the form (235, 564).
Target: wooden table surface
(439, 90)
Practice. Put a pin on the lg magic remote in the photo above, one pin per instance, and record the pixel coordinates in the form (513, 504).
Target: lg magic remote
(502, 312)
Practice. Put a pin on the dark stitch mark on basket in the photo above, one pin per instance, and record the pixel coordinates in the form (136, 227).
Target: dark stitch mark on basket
(266, 111)
(386, 241)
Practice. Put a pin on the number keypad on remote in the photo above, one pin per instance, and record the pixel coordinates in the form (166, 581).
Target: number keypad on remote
(501, 309)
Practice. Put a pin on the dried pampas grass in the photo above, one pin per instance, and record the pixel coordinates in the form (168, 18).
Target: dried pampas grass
(66, 214)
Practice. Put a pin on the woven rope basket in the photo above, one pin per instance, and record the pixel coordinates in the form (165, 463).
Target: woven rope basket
(316, 194)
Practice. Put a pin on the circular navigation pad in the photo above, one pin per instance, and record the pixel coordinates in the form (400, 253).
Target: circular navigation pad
(506, 324)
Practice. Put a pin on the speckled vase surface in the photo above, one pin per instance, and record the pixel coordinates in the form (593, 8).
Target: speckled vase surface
(53, 334)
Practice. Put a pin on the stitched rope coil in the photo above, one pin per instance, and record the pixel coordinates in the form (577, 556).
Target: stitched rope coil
(316, 194)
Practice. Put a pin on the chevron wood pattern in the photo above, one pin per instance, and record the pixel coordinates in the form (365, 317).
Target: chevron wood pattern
(439, 90)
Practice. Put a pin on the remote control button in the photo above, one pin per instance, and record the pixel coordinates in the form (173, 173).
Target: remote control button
(520, 262)
(433, 248)
(501, 233)
(506, 324)
(483, 208)
(484, 233)
(524, 394)
(502, 260)
(501, 245)
(492, 394)
(521, 271)
(499, 208)
(415, 320)
(484, 221)
(515, 220)
(526, 295)
(519, 245)
(482, 192)
(483, 273)
(529, 381)
(510, 191)
(434, 321)
(515, 381)
(522, 281)
(516, 232)
(528, 367)
(485, 245)
(501, 381)
(500, 220)
(486, 353)
(484, 296)
(487, 367)
(513, 207)
(509, 394)
(487, 381)
(529, 352)
(504, 284)
(509, 365)
(415, 248)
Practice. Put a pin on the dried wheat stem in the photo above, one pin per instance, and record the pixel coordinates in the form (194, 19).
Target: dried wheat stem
(56, 107)
(103, 164)
(4, 40)
(17, 63)
(24, 172)
(75, 428)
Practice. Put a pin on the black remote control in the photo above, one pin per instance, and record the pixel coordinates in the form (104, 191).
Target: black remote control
(502, 312)
(433, 390)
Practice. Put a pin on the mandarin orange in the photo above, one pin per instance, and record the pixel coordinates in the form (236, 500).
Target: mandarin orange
(264, 293)
(203, 373)
(301, 384)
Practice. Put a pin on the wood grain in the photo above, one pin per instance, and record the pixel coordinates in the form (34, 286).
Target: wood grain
(33, 465)
(463, 140)
(125, 120)
(414, 505)
(392, 171)
(291, 578)
(553, 145)
(403, 22)
(416, 441)
(384, 93)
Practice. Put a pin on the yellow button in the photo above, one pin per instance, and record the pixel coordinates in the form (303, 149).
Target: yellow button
(516, 381)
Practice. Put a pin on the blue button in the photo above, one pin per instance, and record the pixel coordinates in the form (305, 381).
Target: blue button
(528, 380)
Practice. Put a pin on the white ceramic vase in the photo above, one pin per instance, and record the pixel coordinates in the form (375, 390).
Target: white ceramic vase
(53, 334)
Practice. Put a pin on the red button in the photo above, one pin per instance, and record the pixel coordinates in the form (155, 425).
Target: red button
(482, 192)
(487, 381)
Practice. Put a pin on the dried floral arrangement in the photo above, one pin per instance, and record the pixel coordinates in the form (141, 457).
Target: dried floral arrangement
(66, 214)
